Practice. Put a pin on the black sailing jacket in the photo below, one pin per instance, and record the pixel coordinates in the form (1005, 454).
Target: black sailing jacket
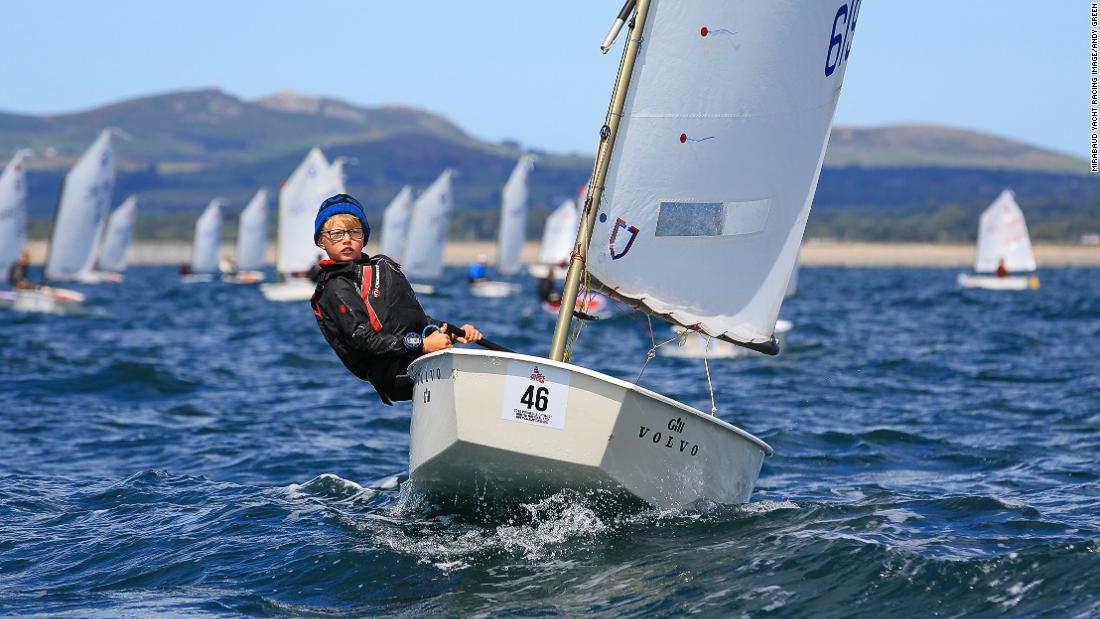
(364, 309)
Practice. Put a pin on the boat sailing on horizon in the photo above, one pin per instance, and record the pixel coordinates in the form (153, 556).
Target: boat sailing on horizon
(693, 174)
(512, 232)
(251, 243)
(1003, 258)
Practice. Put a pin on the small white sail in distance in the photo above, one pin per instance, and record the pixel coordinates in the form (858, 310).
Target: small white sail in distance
(513, 217)
(116, 239)
(299, 198)
(82, 211)
(1002, 235)
(208, 232)
(559, 233)
(13, 212)
(252, 233)
(395, 224)
(717, 160)
(428, 230)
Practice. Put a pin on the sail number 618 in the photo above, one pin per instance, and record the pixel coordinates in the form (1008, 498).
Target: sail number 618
(840, 43)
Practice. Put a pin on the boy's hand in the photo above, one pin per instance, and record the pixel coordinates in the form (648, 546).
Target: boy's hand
(438, 340)
(472, 334)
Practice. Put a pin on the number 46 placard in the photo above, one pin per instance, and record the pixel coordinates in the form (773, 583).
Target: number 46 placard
(535, 394)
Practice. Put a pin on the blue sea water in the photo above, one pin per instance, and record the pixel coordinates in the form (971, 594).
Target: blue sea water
(192, 450)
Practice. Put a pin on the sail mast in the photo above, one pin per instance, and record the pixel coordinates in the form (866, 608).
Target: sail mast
(595, 188)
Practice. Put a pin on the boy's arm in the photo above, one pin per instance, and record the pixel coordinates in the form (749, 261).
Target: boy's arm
(342, 305)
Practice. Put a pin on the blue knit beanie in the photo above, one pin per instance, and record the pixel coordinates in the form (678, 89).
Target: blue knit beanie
(340, 203)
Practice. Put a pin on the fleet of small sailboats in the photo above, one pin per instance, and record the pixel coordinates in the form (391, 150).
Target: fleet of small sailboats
(395, 224)
(683, 183)
(1004, 259)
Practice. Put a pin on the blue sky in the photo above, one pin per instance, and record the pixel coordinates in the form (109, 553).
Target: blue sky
(532, 71)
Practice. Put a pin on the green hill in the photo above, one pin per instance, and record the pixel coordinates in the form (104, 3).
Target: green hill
(902, 182)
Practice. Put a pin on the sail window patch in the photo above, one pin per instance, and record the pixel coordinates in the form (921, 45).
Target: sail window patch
(712, 218)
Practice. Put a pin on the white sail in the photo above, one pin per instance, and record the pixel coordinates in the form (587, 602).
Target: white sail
(208, 233)
(311, 182)
(1002, 235)
(717, 159)
(513, 217)
(82, 212)
(116, 240)
(559, 233)
(395, 224)
(13, 212)
(428, 230)
(792, 283)
(252, 233)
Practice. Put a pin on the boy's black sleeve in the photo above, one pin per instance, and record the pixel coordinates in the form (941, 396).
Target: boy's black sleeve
(342, 305)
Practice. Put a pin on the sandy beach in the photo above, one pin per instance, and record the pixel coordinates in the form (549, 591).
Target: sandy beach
(814, 253)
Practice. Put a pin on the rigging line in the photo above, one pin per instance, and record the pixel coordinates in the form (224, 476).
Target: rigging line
(710, 385)
(652, 351)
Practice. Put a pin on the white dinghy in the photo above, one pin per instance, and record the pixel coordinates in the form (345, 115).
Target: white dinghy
(251, 242)
(431, 216)
(395, 224)
(13, 237)
(513, 227)
(82, 214)
(1004, 260)
(204, 250)
(558, 235)
(114, 250)
(694, 173)
(311, 183)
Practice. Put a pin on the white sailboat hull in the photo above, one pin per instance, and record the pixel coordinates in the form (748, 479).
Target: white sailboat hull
(492, 289)
(244, 277)
(289, 290)
(992, 282)
(474, 441)
(44, 299)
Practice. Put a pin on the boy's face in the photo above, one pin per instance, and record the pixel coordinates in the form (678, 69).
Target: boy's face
(347, 248)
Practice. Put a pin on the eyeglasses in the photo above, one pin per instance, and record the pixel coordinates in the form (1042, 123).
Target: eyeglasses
(337, 234)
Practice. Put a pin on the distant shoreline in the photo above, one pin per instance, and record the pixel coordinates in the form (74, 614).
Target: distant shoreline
(814, 253)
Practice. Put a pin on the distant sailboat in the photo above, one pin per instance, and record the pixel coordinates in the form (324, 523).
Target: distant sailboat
(82, 214)
(204, 254)
(512, 233)
(113, 252)
(395, 224)
(709, 157)
(558, 234)
(13, 238)
(428, 234)
(296, 251)
(251, 242)
(1004, 249)
(13, 212)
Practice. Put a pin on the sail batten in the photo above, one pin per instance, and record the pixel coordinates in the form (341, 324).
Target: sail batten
(716, 161)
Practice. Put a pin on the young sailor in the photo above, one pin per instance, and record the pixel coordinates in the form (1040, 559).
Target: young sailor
(365, 307)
